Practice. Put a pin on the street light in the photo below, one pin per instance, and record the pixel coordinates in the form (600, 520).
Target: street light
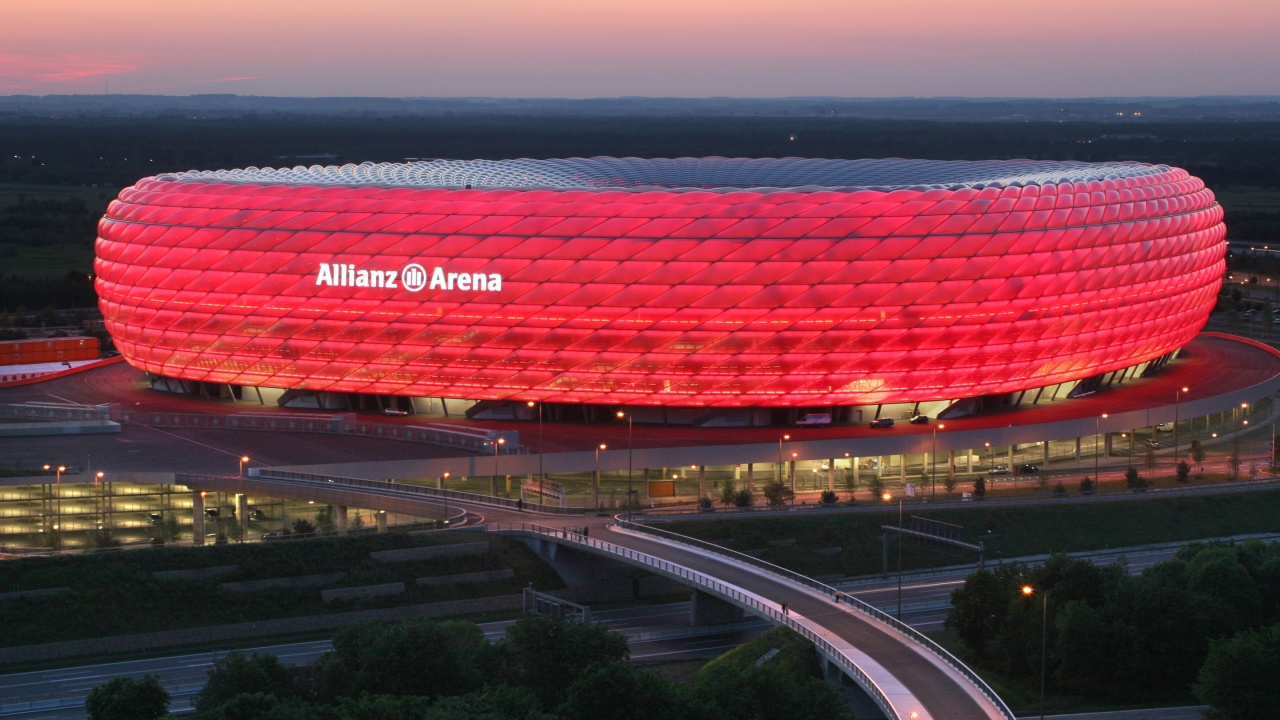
(243, 459)
(1028, 591)
(1097, 452)
(630, 447)
(887, 497)
(933, 459)
(97, 478)
(1235, 439)
(1177, 398)
(595, 481)
(541, 448)
(58, 497)
(443, 478)
(497, 444)
(780, 472)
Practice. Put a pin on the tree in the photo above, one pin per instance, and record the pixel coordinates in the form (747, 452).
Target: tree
(949, 482)
(1239, 675)
(619, 691)
(326, 519)
(876, 485)
(829, 497)
(357, 521)
(1133, 480)
(171, 528)
(546, 654)
(416, 657)
(126, 698)
(727, 492)
(980, 487)
(1197, 454)
(1059, 490)
(1183, 471)
(778, 493)
(238, 674)
(1086, 486)
(303, 526)
(103, 538)
(978, 608)
(705, 503)
(743, 498)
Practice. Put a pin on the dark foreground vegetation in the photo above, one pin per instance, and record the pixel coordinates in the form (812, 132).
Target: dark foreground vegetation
(115, 593)
(1204, 626)
(544, 669)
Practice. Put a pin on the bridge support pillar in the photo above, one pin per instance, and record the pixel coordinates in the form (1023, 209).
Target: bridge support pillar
(831, 474)
(197, 518)
(242, 514)
(340, 517)
(857, 471)
(751, 478)
(1077, 449)
(382, 521)
(707, 609)
(1106, 445)
(1045, 461)
(702, 481)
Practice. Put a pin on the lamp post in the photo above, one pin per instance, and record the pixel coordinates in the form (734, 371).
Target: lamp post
(97, 478)
(595, 480)
(991, 464)
(1235, 440)
(887, 498)
(243, 460)
(57, 507)
(933, 461)
(496, 445)
(1097, 451)
(1028, 591)
(541, 477)
(444, 478)
(1177, 398)
(630, 447)
(781, 474)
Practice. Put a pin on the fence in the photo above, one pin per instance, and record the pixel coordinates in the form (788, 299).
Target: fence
(859, 605)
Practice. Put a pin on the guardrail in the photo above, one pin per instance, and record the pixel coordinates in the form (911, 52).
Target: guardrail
(839, 596)
(423, 490)
(715, 587)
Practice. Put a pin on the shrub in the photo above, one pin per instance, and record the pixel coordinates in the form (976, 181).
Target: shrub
(743, 498)
(829, 497)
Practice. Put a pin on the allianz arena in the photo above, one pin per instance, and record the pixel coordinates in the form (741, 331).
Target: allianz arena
(697, 282)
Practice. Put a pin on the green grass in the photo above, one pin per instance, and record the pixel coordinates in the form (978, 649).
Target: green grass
(1007, 531)
(1250, 199)
(115, 594)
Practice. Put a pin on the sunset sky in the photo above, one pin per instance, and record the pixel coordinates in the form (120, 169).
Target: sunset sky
(603, 48)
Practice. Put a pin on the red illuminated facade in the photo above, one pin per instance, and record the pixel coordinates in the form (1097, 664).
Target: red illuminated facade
(713, 283)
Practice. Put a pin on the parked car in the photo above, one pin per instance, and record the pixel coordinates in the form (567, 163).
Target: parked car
(155, 518)
(920, 420)
(1000, 470)
(882, 423)
(814, 420)
(1028, 469)
(397, 412)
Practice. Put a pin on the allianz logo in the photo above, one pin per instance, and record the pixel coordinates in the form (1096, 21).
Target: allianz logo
(413, 277)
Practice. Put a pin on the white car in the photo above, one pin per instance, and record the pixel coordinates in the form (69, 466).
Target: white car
(1000, 470)
(397, 412)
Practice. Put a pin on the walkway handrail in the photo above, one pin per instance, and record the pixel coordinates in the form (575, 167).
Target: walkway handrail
(478, 499)
(715, 587)
(840, 597)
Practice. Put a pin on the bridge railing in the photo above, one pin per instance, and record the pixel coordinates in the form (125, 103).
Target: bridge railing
(423, 490)
(714, 587)
(863, 607)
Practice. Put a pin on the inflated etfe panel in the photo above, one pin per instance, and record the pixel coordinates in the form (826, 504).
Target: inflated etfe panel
(695, 282)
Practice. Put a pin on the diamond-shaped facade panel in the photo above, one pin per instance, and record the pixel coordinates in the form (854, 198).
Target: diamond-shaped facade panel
(694, 282)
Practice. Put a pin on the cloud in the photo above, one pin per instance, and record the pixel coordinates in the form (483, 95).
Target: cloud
(27, 72)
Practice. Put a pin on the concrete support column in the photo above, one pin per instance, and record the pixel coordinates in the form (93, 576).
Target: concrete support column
(968, 459)
(702, 481)
(1011, 467)
(1106, 444)
(902, 468)
(857, 471)
(382, 521)
(242, 514)
(1077, 449)
(831, 474)
(751, 478)
(340, 515)
(791, 472)
(197, 518)
(1045, 461)
(707, 609)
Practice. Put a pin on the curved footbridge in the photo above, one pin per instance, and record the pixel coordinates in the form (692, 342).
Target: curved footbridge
(905, 673)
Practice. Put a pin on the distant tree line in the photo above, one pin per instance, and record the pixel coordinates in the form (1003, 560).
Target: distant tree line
(543, 669)
(1190, 624)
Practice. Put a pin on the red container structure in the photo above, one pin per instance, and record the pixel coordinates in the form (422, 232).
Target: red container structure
(32, 352)
(691, 282)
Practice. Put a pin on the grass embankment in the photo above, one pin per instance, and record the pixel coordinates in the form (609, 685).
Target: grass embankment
(115, 593)
(1007, 531)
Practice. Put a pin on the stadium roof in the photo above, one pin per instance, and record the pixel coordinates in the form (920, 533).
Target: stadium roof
(710, 173)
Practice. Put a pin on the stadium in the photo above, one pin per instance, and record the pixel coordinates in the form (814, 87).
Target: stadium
(683, 283)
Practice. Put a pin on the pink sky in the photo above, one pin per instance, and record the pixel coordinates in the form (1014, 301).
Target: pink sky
(605, 48)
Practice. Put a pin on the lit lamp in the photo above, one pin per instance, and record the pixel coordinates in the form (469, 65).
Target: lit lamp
(630, 448)
(244, 459)
(1028, 591)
